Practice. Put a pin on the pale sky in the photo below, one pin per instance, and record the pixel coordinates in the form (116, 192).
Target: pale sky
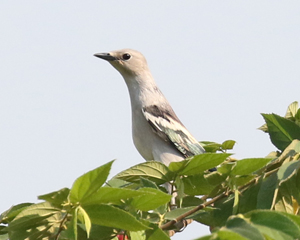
(64, 112)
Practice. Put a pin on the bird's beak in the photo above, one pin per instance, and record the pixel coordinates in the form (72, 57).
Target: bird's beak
(105, 56)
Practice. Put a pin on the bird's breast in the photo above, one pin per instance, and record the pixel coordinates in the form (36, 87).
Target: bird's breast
(142, 134)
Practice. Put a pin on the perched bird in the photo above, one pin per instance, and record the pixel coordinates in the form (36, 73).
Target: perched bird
(157, 132)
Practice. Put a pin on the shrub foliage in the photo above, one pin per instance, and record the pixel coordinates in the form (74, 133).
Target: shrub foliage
(252, 198)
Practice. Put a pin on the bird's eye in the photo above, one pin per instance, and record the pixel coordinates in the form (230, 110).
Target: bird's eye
(126, 56)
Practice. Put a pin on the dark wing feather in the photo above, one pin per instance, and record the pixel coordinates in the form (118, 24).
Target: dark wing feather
(166, 125)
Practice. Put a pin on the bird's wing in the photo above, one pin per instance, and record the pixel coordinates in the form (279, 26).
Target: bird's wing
(166, 125)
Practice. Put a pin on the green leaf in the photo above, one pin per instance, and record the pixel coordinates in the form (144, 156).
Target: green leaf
(241, 180)
(209, 237)
(284, 203)
(84, 218)
(3, 232)
(197, 185)
(177, 166)
(264, 128)
(226, 167)
(274, 224)
(138, 235)
(211, 147)
(4, 236)
(216, 217)
(110, 195)
(227, 234)
(189, 201)
(292, 110)
(244, 229)
(89, 183)
(248, 198)
(281, 130)
(202, 162)
(227, 145)
(215, 178)
(56, 198)
(156, 233)
(287, 170)
(118, 183)
(11, 213)
(235, 202)
(101, 232)
(259, 225)
(152, 199)
(106, 215)
(179, 188)
(266, 192)
(38, 221)
(147, 183)
(297, 146)
(74, 223)
(97, 233)
(31, 215)
(297, 117)
(294, 218)
(249, 165)
(291, 188)
(172, 215)
(152, 170)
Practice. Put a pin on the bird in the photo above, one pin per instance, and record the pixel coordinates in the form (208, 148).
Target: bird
(157, 132)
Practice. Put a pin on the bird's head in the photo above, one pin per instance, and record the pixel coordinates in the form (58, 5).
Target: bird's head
(126, 61)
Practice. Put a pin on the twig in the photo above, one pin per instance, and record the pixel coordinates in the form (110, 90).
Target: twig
(61, 226)
(199, 207)
(168, 225)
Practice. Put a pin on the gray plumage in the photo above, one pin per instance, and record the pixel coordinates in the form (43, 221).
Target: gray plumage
(157, 132)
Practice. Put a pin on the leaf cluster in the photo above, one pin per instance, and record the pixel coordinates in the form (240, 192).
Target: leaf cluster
(252, 198)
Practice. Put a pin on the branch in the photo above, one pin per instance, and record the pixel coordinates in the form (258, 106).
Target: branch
(168, 225)
(60, 229)
(199, 207)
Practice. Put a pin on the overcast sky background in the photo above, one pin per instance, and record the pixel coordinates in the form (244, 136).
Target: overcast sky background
(64, 112)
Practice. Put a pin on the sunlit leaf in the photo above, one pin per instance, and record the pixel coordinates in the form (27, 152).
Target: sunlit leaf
(281, 130)
(228, 234)
(202, 162)
(89, 183)
(84, 218)
(110, 195)
(106, 215)
(138, 235)
(152, 199)
(292, 110)
(152, 170)
(284, 203)
(227, 145)
(37, 221)
(211, 147)
(249, 165)
(11, 213)
(32, 215)
(74, 223)
(57, 197)
(287, 170)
